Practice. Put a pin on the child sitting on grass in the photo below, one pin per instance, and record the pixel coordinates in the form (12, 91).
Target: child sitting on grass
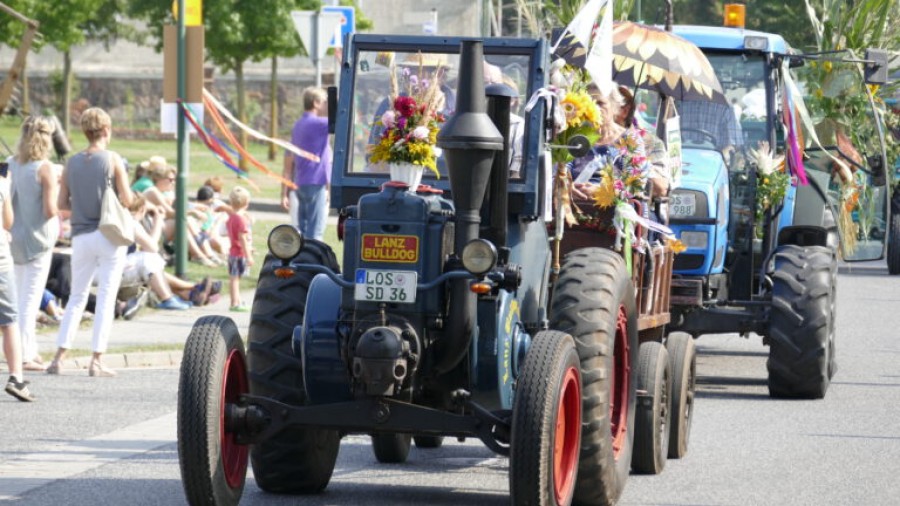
(240, 255)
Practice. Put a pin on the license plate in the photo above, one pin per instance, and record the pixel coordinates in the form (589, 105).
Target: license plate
(374, 285)
(682, 205)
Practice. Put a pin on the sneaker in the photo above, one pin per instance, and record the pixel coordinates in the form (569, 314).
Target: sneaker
(19, 390)
(135, 304)
(200, 292)
(239, 309)
(173, 302)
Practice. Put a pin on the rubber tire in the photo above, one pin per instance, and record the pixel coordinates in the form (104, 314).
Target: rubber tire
(296, 460)
(893, 247)
(534, 420)
(683, 364)
(427, 442)
(653, 417)
(391, 448)
(799, 322)
(592, 285)
(212, 340)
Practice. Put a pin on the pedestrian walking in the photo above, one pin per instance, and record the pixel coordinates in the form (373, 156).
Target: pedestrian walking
(34, 190)
(310, 133)
(16, 385)
(87, 175)
(240, 256)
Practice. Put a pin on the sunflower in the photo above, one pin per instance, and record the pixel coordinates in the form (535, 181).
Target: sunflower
(605, 194)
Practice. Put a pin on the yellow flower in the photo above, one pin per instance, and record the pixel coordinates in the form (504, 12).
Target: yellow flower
(605, 194)
(677, 246)
(819, 93)
(827, 65)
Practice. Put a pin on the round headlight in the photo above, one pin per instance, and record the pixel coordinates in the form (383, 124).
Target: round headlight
(479, 256)
(285, 242)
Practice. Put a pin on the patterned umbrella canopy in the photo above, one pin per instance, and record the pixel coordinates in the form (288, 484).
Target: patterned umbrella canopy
(652, 58)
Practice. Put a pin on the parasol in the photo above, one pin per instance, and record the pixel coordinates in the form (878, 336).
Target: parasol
(652, 58)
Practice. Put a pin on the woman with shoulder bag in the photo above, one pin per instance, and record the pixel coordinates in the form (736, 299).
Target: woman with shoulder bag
(35, 185)
(87, 176)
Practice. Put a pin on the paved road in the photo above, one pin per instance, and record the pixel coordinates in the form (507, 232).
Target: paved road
(113, 441)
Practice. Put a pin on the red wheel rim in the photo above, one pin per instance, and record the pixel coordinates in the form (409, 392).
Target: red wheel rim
(234, 455)
(618, 391)
(565, 444)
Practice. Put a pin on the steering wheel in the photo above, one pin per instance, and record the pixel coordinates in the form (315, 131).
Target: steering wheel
(707, 136)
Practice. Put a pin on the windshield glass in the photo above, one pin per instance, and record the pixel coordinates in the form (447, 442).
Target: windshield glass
(372, 87)
(742, 122)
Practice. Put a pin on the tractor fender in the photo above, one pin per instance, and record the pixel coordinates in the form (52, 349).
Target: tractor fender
(316, 344)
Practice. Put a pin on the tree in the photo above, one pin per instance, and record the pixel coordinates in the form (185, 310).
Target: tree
(63, 25)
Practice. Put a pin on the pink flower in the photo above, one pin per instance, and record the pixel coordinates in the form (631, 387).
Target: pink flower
(389, 119)
(420, 132)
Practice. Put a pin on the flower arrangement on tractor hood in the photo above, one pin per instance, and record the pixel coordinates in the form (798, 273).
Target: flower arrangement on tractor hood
(412, 122)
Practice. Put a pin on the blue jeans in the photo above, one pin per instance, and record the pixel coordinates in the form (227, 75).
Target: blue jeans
(312, 210)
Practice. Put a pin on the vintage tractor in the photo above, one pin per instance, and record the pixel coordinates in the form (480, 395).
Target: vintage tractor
(445, 317)
(775, 276)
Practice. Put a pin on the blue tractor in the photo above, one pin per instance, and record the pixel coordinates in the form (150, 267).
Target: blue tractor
(771, 269)
(445, 317)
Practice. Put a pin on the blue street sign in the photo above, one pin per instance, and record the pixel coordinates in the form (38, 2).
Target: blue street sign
(348, 22)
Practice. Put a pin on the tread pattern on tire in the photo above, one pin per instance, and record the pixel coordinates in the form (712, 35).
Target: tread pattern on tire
(654, 376)
(799, 322)
(534, 418)
(586, 297)
(683, 362)
(200, 375)
(295, 461)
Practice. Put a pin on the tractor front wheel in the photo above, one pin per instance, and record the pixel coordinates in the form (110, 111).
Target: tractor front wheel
(800, 322)
(391, 448)
(546, 423)
(683, 363)
(653, 417)
(213, 376)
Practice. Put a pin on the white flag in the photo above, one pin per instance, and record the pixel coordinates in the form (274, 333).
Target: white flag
(600, 54)
(582, 24)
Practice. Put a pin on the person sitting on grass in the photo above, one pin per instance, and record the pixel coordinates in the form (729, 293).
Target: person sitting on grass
(240, 256)
(144, 265)
(209, 214)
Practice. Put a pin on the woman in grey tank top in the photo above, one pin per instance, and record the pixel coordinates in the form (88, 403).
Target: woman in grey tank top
(35, 185)
(87, 175)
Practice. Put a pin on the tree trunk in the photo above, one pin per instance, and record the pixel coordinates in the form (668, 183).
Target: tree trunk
(242, 109)
(67, 91)
(273, 111)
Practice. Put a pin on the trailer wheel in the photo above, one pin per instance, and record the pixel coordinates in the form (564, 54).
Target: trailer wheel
(428, 441)
(652, 419)
(593, 301)
(799, 325)
(683, 363)
(213, 375)
(297, 460)
(546, 423)
(391, 448)
(893, 247)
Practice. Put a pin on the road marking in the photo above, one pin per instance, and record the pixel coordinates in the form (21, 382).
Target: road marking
(28, 472)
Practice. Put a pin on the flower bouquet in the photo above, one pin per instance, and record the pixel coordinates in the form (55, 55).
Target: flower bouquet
(411, 124)
(772, 181)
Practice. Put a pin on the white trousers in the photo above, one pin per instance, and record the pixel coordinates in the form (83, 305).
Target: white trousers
(31, 278)
(92, 255)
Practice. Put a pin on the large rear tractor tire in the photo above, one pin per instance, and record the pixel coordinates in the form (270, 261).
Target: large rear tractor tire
(546, 423)
(683, 363)
(800, 322)
(391, 448)
(652, 419)
(297, 460)
(213, 375)
(593, 301)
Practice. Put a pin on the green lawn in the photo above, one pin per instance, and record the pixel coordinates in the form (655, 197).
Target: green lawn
(202, 164)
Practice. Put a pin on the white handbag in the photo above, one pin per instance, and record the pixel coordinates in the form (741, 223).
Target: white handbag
(116, 223)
